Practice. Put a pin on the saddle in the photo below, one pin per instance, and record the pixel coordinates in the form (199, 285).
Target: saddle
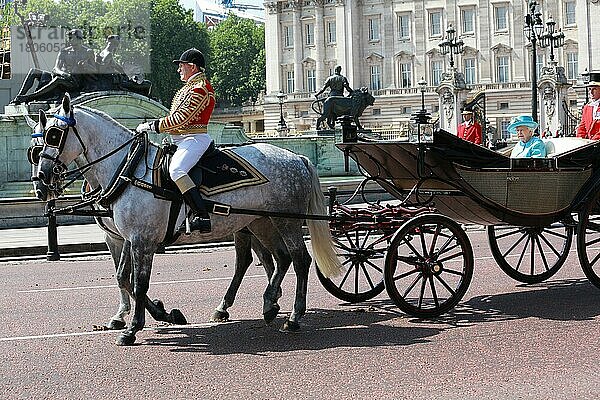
(218, 171)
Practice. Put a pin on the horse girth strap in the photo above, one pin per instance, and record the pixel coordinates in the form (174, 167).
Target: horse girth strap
(225, 210)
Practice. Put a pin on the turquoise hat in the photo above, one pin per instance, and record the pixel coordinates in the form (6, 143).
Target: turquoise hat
(521, 120)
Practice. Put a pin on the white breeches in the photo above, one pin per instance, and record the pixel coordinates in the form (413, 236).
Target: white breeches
(189, 150)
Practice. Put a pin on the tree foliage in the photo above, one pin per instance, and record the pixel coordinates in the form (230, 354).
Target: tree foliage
(173, 32)
(238, 62)
(155, 32)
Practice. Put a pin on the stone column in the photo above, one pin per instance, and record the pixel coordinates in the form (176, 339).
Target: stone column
(298, 46)
(273, 52)
(553, 86)
(453, 93)
(319, 42)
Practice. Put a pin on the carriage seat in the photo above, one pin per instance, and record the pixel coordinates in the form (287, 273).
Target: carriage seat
(556, 146)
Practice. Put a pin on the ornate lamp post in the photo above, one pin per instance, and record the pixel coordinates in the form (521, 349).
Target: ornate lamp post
(533, 30)
(585, 77)
(551, 38)
(424, 129)
(281, 126)
(452, 45)
(422, 117)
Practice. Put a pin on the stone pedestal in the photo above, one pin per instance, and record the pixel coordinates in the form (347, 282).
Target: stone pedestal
(452, 92)
(553, 86)
(19, 110)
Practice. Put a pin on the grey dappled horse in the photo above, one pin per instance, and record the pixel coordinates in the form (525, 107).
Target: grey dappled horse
(141, 220)
(244, 243)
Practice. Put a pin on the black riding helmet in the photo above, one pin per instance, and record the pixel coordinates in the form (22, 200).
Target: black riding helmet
(192, 56)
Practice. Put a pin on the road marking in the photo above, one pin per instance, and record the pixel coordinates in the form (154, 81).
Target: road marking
(76, 334)
(66, 289)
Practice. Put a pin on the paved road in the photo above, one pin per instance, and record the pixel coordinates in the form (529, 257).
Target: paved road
(504, 341)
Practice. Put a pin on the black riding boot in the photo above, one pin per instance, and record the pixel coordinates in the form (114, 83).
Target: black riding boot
(201, 221)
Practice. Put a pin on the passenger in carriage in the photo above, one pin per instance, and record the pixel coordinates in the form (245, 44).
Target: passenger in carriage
(529, 146)
(469, 130)
(589, 127)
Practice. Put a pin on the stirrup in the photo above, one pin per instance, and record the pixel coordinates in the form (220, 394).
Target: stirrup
(200, 224)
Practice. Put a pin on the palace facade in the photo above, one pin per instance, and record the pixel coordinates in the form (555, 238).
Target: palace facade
(389, 45)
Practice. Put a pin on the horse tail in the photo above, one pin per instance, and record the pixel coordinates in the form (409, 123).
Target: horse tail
(320, 235)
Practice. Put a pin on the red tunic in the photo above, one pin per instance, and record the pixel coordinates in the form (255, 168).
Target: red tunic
(470, 132)
(191, 109)
(589, 128)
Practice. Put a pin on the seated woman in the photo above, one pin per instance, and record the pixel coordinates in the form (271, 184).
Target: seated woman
(529, 146)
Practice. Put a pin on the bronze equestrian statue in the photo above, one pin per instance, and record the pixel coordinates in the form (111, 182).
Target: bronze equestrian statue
(336, 106)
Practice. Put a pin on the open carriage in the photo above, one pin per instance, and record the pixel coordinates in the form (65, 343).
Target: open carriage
(418, 250)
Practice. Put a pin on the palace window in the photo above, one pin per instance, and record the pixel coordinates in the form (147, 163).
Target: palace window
(570, 13)
(437, 68)
(311, 80)
(501, 18)
(404, 27)
(435, 23)
(331, 34)
(310, 34)
(470, 71)
(288, 36)
(290, 81)
(468, 20)
(375, 77)
(374, 29)
(502, 69)
(405, 75)
(572, 65)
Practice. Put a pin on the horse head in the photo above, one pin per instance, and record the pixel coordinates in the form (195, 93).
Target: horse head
(58, 144)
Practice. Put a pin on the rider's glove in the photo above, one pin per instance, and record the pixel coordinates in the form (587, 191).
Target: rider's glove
(146, 127)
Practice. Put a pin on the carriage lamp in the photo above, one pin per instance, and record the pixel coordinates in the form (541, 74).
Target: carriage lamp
(281, 126)
(451, 45)
(533, 30)
(422, 118)
(551, 38)
(585, 77)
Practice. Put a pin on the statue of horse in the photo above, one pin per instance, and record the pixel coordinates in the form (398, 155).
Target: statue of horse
(336, 106)
(95, 142)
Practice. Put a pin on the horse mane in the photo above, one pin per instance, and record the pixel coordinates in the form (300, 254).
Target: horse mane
(105, 116)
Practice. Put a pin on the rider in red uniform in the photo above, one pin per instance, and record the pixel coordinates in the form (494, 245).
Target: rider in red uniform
(469, 130)
(187, 123)
(589, 127)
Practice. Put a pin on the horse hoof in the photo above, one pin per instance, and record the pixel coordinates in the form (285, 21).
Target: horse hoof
(220, 316)
(158, 303)
(115, 325)
(177, 318)
(270, 315)
(125, 339)
(290, 327)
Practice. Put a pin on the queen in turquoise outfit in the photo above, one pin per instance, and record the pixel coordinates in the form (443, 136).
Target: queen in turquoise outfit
(529, 146)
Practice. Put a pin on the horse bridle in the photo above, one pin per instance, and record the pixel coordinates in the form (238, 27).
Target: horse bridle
(55, 137)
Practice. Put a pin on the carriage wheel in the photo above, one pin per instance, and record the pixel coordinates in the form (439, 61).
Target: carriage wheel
(530, 254)
(588, 241)
(429, 265)
(362, 254)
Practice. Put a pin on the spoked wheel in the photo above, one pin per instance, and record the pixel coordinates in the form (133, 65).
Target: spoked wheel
(530, 254)
(588, 240)
(362, 254)
(429, 265)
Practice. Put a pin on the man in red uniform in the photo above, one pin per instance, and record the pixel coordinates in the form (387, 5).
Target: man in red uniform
(469, 130)
(589, 127)
(187, 124)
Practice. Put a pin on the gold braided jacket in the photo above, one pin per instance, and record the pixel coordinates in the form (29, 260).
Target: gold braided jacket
(191, 109)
